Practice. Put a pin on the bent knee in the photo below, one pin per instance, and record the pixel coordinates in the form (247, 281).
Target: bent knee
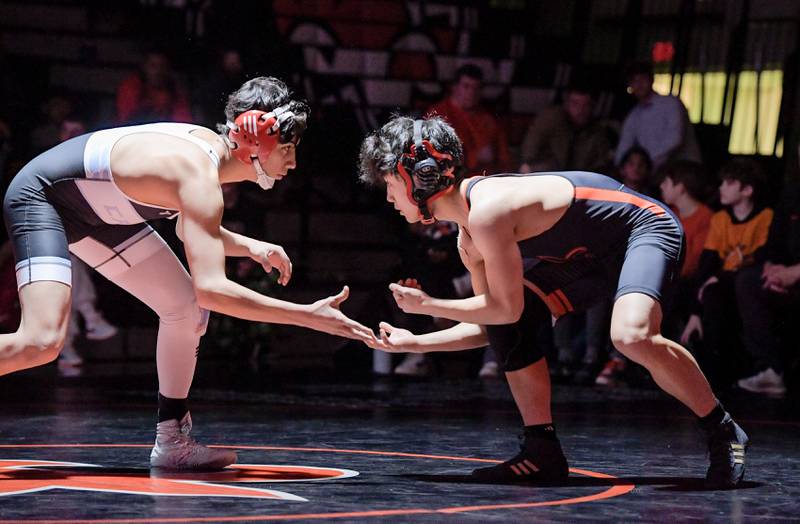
(187, 315)
(630, 337)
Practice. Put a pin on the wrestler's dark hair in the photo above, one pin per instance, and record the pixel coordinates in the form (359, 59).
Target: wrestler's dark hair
(382, 149)
(687, 172)
(265, 93)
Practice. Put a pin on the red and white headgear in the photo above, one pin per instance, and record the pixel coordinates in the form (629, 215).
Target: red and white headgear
(255, 133)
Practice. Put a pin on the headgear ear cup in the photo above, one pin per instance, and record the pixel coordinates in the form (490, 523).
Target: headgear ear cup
(253, 132)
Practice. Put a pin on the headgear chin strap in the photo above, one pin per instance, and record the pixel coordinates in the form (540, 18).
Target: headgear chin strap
(426, 173)
(256, 132)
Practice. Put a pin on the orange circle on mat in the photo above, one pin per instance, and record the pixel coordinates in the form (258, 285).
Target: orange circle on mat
(613, 491)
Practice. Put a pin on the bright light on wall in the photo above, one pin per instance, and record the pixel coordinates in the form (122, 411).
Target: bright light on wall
(703, 94)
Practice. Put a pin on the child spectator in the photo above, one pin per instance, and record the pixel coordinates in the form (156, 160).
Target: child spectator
(770, 301)
(683, 188)
(736, 238)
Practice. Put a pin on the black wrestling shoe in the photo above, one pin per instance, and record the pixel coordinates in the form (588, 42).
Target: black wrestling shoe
(727, 445)
(539, 460)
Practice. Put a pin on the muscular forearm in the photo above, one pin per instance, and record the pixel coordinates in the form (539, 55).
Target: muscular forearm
(480, 309)
(229, 298)
(236, 245)
(457, 338)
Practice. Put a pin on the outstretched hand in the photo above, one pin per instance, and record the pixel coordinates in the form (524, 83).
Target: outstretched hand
(409, 296)
(273, 256)
(396, 340)
(326, 317)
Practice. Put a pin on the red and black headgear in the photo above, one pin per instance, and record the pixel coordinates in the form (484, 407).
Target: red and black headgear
(426, 172)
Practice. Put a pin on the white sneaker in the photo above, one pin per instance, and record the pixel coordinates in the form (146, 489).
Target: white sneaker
(767, 382)
(175, 449)
(414, 365)
(100, 329)
(489, 370)
(69, 357)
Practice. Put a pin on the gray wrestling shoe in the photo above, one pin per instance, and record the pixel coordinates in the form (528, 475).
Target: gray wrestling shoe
(175, 449)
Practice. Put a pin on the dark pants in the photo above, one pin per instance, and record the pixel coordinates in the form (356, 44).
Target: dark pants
(721, 355)
(769, 326)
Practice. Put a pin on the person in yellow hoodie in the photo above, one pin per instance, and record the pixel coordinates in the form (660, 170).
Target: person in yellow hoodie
(736, 239)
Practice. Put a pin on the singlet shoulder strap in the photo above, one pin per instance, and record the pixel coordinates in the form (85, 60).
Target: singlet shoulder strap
(470, 184)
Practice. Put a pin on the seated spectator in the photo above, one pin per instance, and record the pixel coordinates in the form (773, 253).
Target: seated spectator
(152, 94)
(484, 140)
(736, 238)
(61, 123)
(226, 77)
(567, 137)
(658, 123)
(769, 299)
(636, 170)
(683, 188)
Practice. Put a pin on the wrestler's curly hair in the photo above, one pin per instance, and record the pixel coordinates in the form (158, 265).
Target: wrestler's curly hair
(382, 149)
(265, 93)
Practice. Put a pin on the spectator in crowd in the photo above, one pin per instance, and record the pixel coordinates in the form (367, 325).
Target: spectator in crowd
(769, 298)
(659, 124)
(567, 137)
(485, 142)
(683, 188)
(636, 169)
(57, 109)
(62, 123)
(153, 94)
(227, 75)
(736, 238)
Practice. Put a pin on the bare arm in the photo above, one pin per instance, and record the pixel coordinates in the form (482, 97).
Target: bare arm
(502, 301)
(457, 338)
(235, 245)
(201, 207)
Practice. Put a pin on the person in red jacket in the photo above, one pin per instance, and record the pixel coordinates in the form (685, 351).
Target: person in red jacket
(153, 94)
(484, 140)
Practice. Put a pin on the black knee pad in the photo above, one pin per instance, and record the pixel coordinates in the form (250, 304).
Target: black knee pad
(526, 341)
